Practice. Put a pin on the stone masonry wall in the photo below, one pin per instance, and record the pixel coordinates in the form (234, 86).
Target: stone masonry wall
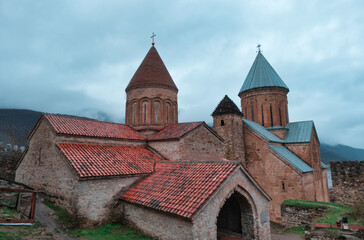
(201, 144)
(156, 223)
(44, 169)
(230, 128)
(347, 181)
(96, 197)
(295, 216)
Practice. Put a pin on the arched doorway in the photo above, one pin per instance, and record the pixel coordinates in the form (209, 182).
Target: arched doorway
(236, 217)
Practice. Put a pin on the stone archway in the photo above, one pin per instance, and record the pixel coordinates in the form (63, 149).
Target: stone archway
(236, 217)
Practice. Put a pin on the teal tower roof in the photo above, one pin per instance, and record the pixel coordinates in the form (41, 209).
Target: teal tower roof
(262, 74)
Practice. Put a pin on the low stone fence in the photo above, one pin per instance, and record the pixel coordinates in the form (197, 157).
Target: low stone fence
(295, 215)
(347, 181)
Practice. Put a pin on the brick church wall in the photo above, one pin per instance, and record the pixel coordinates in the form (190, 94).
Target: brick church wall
(280, 180)
(199, 144)
(347, 181)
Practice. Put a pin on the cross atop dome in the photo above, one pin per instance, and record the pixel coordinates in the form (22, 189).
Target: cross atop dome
(152, 37)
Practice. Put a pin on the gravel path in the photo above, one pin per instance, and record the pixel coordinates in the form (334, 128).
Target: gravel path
(48, 218)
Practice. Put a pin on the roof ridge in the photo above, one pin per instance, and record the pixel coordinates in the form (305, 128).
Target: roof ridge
(82, 118)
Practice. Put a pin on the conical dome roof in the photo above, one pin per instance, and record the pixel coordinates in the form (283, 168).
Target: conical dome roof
(262, 74)
(226, 106)
(152, 72)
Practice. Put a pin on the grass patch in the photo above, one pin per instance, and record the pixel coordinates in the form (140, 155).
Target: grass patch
(300, 230)
(6, 212)
(62, 213)
(110, 232)
(8, 236)
(333, 211)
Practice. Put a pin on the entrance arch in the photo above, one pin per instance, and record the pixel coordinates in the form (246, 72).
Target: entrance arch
(236, 217)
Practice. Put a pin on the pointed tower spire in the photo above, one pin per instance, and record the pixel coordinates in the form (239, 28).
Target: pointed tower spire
(151, 96)
(264, 94)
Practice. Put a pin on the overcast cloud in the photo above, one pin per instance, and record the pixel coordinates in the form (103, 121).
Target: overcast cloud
(76, 57)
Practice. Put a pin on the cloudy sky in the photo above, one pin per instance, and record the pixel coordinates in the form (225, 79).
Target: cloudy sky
(76, 57)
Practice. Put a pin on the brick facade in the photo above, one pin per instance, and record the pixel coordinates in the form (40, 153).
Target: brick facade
(266, 106)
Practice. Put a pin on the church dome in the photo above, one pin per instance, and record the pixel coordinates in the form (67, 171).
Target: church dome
(152, 73)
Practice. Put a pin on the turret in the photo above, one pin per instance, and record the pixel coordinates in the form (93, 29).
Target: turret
(228, 124)
(151, 95)
(264, 95)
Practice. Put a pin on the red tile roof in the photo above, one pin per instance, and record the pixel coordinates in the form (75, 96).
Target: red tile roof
(180, 188)
(91, 128)
(152, 72)
(105, 161)
(175, 131)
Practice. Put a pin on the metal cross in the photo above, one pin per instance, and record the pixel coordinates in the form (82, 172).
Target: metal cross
(259, 47)
(152, 37)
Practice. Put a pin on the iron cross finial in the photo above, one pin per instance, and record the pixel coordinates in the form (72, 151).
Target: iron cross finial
(152, 37)
(259, 47)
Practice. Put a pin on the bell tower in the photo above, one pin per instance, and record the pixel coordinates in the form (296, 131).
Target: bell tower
(264, 95)
(151, 96)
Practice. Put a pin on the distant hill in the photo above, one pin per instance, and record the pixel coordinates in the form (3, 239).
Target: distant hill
(340, 153)
(16, 124)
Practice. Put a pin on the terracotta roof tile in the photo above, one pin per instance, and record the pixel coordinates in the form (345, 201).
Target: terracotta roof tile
(152, 72)
(105, 161)
(180, 188)
(175, 131)
(91, 128)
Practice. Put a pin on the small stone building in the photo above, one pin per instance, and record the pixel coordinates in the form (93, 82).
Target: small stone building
(171, 180)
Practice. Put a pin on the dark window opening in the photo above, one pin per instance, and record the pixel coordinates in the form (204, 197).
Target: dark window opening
(262, 116)
(222, 123)
(145, 113)
(283, 187)
(252, 113)
(280, 115)
(271, 115)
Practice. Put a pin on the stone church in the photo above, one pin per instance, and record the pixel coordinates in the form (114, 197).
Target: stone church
(177, 180)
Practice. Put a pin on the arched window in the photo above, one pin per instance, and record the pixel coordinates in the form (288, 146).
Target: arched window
(222, 123)
(280, 114)
(156, 113)
(145, 113)
(134, 113)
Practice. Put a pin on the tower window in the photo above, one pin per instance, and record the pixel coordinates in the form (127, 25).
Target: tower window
(271, 115)
(145, 113)
(283, 187)
(262, 116)
(280, 115)
(134, 112)
(222, 123)
(156, 112)
(167, 113)
(252, 113)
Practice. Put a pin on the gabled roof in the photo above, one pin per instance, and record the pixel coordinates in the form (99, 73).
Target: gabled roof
(262, 74)
(226, 106)
(295, 161)
(180, 188)
(299, 132)
(259, 129)
(91, 128)
(175, 131)
(107, 161)
(152, 72)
